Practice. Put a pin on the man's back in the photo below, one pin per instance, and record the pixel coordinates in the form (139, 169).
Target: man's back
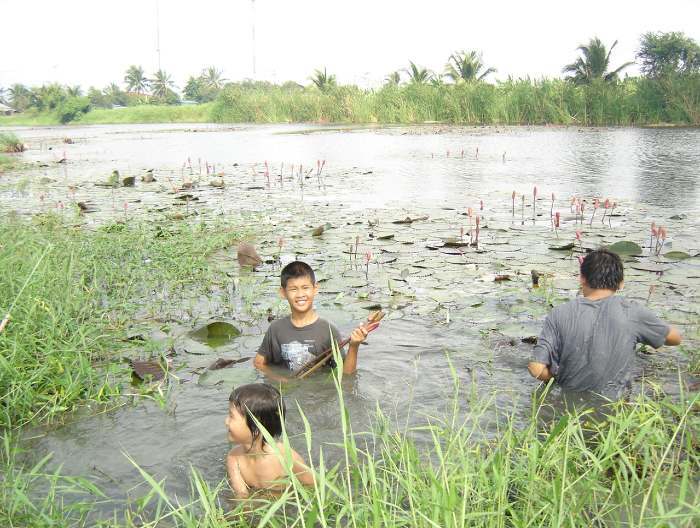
(589, 345)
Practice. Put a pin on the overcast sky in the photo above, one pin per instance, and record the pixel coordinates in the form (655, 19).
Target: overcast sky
(91, 42)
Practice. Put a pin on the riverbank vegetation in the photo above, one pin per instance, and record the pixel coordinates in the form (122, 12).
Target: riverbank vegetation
(593, 93)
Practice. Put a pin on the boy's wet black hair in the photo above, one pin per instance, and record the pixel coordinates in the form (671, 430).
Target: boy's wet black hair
(603, 270)
(262, 401)
(295, 270)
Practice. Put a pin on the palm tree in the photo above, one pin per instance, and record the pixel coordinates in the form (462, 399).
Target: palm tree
(161, 84)
(212, 77)
(135, 80)
(20, 96)
(3, 93)
(593, 64)
(465, 66)
(74, 91)
(322, 80)
(418, 75)
(393, 78)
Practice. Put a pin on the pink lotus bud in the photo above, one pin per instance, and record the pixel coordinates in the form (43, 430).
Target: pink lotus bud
(368, 257)
(607, 203)
(596, 203)
(653, 226)
(552, 197)
(513, 195)
(477, 221)
(60, 205)
(573, 200)
(481, 205)
(469, 212)
(654, 231)
(662, 233)
(580, 260)
(578, 235)
(126, 205)
(280, 242)
(557, 218)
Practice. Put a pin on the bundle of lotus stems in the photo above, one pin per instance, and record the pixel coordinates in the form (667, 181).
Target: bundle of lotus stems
(318, 361)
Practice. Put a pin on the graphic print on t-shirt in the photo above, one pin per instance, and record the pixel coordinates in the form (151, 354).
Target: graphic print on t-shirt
(297, 354)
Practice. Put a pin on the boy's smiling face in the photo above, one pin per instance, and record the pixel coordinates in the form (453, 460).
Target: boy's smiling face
(300, 293)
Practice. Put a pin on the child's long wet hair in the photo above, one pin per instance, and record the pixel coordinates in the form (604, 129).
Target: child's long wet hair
(265, 403)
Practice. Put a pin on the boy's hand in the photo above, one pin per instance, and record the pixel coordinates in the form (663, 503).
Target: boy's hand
(358, 336)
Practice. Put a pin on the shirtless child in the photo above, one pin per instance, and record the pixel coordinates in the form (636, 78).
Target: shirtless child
(254, 464)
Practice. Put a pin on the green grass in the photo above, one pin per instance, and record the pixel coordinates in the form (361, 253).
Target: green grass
(10, 143)
(7, 163)
(634, 101)
(149, 114)
(63, 339)
(637, 466)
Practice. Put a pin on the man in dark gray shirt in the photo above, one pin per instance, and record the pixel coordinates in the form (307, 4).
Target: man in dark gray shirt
(588, 344)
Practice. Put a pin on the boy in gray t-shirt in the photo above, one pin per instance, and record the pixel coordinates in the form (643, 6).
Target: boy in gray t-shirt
(588, 344)
(295, 339)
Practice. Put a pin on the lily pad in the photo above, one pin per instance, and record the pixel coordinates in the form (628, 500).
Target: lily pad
(625, 247)
(238, 375)
(216, 333)
(565, 247)
(676, 255)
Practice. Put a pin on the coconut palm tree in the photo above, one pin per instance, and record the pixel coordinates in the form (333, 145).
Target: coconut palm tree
(3, 94)
(593, 64)
(20, 96)
(466, 66)
(135, 80)
(161, 84)
(212, 77)
(393, 78)
(74, 91)
(322, 80)
(417, 75)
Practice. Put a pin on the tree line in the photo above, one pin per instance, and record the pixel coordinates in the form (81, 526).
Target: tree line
(660, 56)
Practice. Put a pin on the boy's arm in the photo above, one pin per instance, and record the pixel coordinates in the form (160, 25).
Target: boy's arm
(653, 331)
(240, 488)
(350, 362)
(546, 351)
(301, 470)
(539, 371)
(673, 338)
(260, 363)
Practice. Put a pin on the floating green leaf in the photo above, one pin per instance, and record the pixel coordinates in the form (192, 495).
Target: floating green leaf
(625, 247)
(676, 255)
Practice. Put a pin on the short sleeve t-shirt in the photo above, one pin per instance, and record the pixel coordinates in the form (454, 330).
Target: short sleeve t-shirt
(590, 345)
(291, 346)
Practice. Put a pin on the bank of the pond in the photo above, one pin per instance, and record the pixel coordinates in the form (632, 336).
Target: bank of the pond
(71, 293)
(632, 102)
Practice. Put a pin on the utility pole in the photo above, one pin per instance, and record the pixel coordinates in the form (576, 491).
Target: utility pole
(253, 6)
(158, 32)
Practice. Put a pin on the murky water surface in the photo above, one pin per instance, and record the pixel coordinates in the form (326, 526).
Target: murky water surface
(442, 299)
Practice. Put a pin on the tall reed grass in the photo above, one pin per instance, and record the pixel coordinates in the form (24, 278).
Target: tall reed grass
(62, 343)
(633, 101)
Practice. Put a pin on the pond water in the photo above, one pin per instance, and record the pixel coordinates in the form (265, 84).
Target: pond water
(446, 309)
